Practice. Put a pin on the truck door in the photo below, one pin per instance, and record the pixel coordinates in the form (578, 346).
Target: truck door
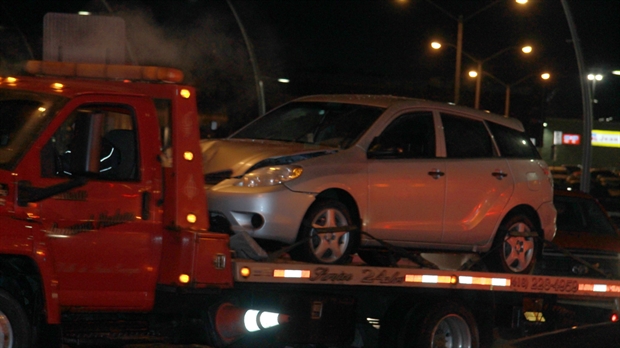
(105, 235)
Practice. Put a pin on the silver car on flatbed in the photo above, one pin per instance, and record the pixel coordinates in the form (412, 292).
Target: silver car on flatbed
(416, 174)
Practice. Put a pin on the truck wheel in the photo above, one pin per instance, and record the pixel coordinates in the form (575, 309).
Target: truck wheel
(514, 253)
(14, 324)
(445, 324)
(442, 324)
(449, 324)
(330, 247)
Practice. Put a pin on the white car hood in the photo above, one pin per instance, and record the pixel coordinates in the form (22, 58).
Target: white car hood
(239, 155)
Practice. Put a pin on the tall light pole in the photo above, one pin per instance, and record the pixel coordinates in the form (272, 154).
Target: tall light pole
(544, 76)
(478, 75)
(459, 40)
(524, 49)
(260, 93)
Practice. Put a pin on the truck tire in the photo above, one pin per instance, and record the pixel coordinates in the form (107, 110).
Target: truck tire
(444, 324)
(14, 323)
(325, 248)
(514, 254)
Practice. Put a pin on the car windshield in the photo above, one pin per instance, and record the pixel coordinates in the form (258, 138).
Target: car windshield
(330, 124)
(577, 214)
(23, 115)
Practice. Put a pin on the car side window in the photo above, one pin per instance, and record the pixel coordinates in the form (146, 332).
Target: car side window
(513, 143)
(411, 135)
(118, 143)
(466, 138)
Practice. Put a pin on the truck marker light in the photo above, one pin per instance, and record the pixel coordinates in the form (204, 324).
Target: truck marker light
(188, 155)
(245, 272)
(41, 109)
(429, 279)
(191, 218)
(185, 93)
(184, 278)
(10, 79)
(291, 273)
(600, 288)
(484, 281)
(614, 317)
(57, 85)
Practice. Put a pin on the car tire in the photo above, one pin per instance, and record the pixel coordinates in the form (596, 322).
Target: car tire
(514, 253)
(14, 323)
(325, 248)
(380, 258)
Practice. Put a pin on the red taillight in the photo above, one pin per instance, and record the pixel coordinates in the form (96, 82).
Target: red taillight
(614, 317)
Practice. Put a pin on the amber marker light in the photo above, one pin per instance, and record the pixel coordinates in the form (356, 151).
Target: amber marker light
(185, 93)
(245, 272)
(191, 218)
(57, 85)
(184, 278)
(188, 155)
(10, 79)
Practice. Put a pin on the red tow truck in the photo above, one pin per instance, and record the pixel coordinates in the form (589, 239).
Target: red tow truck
(105, 241)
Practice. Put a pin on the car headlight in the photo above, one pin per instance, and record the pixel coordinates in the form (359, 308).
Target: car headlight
(270, 176)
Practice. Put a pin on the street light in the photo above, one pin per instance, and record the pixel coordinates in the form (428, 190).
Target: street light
(594, 78)
(459, 40)
(525, 49)
(544, 76)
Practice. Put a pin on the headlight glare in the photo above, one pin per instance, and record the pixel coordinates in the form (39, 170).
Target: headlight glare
(270, 176)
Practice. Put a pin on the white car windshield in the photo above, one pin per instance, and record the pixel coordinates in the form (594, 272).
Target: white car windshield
(329, 124)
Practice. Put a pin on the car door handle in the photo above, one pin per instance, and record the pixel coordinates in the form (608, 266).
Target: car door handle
(499, 174)
(436, 173)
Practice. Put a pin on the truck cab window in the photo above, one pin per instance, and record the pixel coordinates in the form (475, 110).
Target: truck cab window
(118, 159)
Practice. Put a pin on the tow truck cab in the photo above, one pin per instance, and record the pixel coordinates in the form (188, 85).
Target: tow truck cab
(101, 189)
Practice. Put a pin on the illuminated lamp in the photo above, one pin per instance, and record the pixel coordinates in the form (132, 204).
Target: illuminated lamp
(191, 218)
(245, 272)
(185, 93)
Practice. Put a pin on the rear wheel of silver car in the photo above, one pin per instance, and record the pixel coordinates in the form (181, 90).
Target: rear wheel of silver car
(325, 246)
(516, 246)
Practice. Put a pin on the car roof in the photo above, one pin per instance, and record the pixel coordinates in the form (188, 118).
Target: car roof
(389, 101)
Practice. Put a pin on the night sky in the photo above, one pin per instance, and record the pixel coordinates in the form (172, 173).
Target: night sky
(355, 46)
